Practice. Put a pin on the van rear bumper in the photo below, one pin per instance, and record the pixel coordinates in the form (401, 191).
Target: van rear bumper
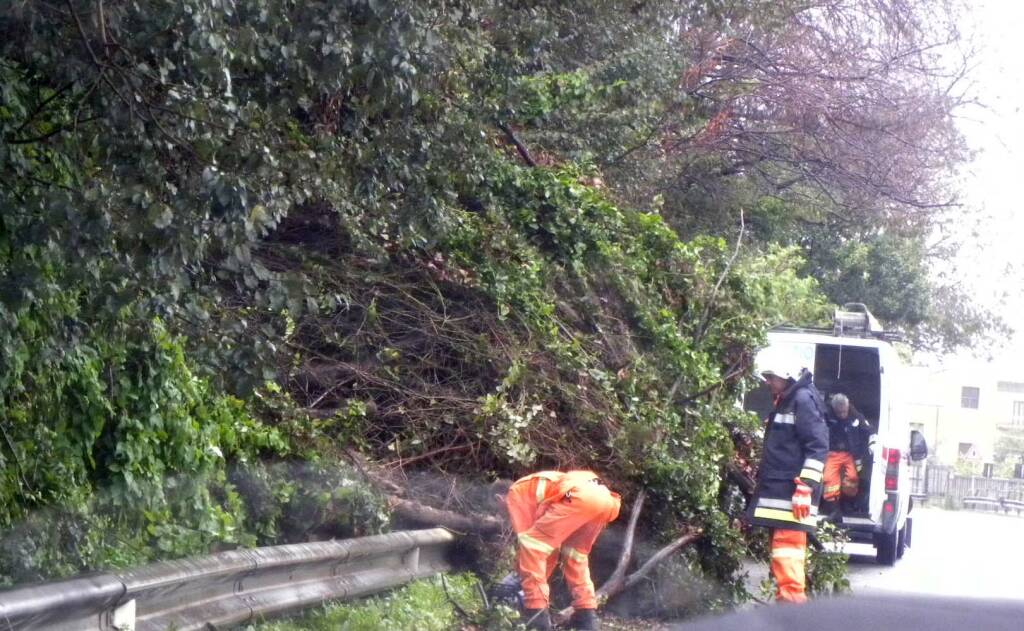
(860, 529)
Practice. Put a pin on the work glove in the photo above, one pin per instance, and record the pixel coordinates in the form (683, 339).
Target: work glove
(801, 500)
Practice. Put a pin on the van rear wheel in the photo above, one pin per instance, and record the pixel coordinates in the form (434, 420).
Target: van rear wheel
(885, 547)
(901, 541)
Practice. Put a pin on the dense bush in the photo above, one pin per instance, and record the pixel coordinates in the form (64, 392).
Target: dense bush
(238, 237)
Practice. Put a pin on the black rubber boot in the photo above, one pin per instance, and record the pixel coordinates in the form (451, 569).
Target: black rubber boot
(538, 619)
(585, 620)
(829, 511)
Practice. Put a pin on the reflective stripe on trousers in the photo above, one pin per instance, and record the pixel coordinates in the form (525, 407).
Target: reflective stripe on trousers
(840, 475)
(789, 555)
(570, 525)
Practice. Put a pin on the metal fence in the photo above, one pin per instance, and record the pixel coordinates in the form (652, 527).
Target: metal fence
(229, 588)
(942, 482)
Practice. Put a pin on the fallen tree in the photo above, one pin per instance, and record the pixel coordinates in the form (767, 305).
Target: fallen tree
(619, 581)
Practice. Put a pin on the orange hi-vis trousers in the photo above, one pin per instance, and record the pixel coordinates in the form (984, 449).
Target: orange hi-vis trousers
(789, 555)
(840, 476)
(552, 511)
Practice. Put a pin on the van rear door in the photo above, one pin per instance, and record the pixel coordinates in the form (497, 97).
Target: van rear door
(857, 372)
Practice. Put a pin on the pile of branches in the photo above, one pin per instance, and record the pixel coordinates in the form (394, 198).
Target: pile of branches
(480, 514)
(405, 351)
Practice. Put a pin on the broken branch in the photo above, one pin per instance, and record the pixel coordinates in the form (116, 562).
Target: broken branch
(524, 153)
(618, 577)
(618, 582)
(660, 556)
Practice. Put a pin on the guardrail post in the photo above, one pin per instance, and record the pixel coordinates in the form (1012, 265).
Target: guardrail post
(412, 559)
(123, 618)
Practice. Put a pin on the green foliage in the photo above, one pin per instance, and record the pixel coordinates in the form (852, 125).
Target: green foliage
(890, 271)
(1009, 447)
(118, 448)
(236, 238)
(826, 571)
(424, 605)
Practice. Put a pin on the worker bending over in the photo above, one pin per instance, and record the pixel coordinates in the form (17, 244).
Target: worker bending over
(559, 514)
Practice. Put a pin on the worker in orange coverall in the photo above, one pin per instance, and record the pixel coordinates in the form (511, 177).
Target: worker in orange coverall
(556, 512)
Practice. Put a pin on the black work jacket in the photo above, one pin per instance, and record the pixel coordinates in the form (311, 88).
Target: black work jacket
(796, 438)
(795, 445)
(852, 434)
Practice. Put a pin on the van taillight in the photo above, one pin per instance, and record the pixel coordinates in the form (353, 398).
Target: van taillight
(892, 469)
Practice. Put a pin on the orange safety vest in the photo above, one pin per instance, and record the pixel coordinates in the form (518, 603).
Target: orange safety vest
(554, 485)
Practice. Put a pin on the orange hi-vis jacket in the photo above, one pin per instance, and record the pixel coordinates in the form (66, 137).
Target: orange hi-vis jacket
(552, 512)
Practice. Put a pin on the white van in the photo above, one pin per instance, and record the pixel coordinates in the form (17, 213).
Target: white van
(858, 359)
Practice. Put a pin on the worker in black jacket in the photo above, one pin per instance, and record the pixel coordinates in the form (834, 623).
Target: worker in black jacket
(850, 439)
(789, 478)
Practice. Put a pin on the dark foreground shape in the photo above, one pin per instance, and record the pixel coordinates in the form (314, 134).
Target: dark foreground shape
(906, 613)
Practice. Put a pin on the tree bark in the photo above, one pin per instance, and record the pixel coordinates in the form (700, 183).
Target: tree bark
(460, 522)
(618, 577)
(609, 590)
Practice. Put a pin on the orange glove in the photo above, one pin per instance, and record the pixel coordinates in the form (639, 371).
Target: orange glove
(801, 500)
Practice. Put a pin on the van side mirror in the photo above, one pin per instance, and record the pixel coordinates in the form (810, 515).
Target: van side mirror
(918, 446)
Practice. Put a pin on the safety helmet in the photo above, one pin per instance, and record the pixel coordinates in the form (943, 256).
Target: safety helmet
(775, 372)
(779, 361)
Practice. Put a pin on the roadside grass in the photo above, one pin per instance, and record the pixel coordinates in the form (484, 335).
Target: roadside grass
(421, 605)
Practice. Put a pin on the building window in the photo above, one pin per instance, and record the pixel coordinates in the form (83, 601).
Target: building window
(967, 450)
(1018, 413)
(969, 397)
(1010, 386)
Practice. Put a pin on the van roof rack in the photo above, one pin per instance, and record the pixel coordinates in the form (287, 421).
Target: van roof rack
(851, 320)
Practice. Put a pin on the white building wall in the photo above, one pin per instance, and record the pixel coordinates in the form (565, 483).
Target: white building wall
(935, 404)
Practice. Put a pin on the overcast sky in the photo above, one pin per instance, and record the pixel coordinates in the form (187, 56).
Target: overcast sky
(994, 182)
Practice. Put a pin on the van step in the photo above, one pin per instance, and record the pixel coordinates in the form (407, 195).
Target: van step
(856, 520)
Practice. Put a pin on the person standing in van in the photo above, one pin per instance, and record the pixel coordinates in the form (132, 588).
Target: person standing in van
(850, 437)
(789, 478)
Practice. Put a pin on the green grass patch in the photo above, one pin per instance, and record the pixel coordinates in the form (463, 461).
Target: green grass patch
(421, 605)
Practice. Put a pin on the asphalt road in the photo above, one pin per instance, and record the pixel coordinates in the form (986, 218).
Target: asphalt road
(954, 553)
(964, 571)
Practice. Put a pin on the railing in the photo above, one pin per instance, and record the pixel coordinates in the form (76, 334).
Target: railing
(995, 503)
(943, 482)
(229, 588)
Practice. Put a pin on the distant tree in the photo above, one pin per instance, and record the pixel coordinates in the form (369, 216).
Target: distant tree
(1009, 447)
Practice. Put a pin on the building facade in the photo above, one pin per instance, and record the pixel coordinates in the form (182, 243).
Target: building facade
(971, 413)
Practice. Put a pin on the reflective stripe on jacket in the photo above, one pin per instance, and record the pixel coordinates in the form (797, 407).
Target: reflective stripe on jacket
(795, 445)
(552, 486)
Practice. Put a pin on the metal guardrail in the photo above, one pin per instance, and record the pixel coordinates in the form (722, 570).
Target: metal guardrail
(1015, 505)
(228, 588)
(1001, 503)
(986, 502)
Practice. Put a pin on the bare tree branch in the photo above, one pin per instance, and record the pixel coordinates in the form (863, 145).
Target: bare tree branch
(520, 147)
